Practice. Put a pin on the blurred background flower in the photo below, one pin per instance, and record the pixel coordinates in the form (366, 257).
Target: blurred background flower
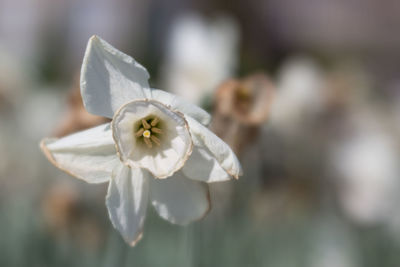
(321, 181)
(200, 54)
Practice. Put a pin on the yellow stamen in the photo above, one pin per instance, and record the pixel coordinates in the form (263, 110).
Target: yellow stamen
(155, 140)
(156, 130)
(146, 134)
(148, 142)
(146, 125)
(154, 122)
(139, 133)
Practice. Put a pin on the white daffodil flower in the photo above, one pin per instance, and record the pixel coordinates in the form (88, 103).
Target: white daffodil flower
(299, 96)
(200, 55)
(157, 147)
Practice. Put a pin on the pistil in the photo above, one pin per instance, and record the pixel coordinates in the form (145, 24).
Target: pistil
(146, 134)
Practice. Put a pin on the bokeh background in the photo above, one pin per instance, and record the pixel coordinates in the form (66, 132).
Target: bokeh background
(307, 93)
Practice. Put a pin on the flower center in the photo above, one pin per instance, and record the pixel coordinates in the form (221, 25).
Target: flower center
(147, 134)
(149, 131)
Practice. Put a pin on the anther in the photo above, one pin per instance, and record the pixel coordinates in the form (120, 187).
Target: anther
(154, 122)
(155, 140)
(146, 125)
(139, 133)
(156, 130)
(147, 142)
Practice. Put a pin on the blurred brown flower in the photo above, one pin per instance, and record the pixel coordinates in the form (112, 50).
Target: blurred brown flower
(76, 117)
(241, 107)
(67, 216)
(60, 207)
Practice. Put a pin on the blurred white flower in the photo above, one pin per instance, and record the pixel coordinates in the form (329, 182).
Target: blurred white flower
(200, 55)
(153, 135)
(366, 163)
(299, 94)
(14, 76)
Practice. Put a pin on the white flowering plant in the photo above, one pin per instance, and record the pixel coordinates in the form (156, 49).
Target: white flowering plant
(156, 149)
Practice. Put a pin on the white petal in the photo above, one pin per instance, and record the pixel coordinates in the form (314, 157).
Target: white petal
(203, 137)
(179, 104)
(203, 166)
(180, 200)
(110, 78)
(89, 155)
(126, 201)
(176, 143)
